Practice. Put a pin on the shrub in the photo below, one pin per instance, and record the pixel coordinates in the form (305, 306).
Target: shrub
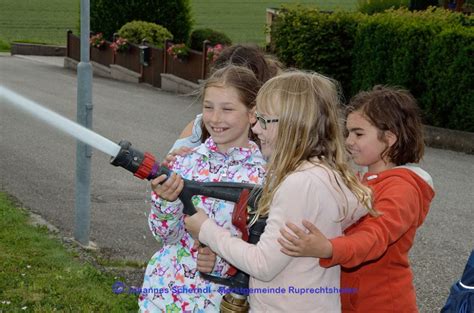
(201, 34)
(449, 75)
(428, 52)
(107, 16)
(375, 6)
(309, 39)
(391, 48)
(136, 31)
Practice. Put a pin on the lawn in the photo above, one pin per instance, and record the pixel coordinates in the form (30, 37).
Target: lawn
(38, 274)
(38, 21)
(46, 21)
(244, 20)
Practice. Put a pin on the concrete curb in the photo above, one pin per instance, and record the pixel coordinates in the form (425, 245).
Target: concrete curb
(176, 84)
(449, 139)
(35, 49)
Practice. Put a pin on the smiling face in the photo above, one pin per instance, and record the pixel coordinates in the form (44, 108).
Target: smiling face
(226, 118)
(364, 144)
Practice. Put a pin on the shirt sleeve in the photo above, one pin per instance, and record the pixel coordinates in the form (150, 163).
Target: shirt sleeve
(370, 238)
(264, 261)
(166, 220)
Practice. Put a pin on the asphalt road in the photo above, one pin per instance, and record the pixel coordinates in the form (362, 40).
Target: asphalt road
(38, 167)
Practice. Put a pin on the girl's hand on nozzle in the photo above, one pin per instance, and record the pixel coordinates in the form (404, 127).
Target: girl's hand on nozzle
(171, 157)
(305, 243)
(206, 258)
(169, 189)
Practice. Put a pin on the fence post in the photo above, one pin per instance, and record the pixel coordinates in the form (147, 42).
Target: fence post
(271, 13)
(165, 63)
(68, 43)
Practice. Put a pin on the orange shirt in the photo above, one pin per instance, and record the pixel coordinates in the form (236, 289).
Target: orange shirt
(374, 252)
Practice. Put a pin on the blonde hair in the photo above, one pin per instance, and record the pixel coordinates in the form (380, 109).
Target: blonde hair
(309, 129)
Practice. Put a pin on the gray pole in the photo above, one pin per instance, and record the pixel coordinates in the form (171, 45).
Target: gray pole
(84, 117)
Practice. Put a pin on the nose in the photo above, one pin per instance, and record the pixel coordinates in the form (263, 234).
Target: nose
(257, 129)
(349, 140)
(216, 116)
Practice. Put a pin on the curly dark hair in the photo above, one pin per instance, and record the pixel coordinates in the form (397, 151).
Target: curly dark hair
(393, 109)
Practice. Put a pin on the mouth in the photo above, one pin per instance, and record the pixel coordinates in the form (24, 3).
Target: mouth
(352, 153)
(218, 130)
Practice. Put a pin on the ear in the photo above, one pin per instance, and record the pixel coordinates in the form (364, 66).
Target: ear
(390, 138)
(252, 118)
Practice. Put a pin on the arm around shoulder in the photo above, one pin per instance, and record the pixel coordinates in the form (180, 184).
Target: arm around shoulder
(370, 238)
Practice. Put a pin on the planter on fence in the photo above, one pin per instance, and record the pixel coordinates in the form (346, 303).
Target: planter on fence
(192, 67)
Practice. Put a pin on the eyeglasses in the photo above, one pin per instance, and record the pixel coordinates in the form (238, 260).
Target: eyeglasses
(263, 121)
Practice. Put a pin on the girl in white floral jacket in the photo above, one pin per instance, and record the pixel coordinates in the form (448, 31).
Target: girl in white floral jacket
(172, 283)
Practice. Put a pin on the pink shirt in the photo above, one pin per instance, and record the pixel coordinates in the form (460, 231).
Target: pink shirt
(312, 194)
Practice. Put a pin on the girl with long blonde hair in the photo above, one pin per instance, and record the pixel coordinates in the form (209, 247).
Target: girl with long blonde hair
(299, 128)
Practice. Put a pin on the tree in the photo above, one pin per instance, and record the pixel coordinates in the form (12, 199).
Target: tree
(108, 16)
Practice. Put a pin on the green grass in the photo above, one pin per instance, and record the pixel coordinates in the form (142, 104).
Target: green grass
(46, 21)
(39, 273)
(244, 20)
(4, 46)
(38, 21)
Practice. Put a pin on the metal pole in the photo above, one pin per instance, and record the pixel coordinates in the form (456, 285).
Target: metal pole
(84, 117)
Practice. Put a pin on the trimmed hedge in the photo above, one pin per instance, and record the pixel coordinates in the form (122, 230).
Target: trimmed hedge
(200, 34)
(449, 97)
(107, 16)
(309, 39)
(136, 31)
(422, 51)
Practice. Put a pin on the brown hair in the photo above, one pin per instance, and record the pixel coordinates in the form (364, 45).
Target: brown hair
(252, 57)
(393, 109)
(244, 82)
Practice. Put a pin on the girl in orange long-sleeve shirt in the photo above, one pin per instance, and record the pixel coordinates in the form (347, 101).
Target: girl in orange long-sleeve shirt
(384, 134)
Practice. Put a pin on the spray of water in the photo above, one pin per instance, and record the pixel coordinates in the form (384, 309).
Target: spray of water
(59, 122)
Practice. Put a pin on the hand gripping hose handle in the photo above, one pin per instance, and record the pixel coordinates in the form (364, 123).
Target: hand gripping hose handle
(144, 166)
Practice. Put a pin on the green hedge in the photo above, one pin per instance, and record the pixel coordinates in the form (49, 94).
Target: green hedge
(449, 97)
(422, 51)
(309, 39)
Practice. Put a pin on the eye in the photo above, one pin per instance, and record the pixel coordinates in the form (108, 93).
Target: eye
(358, 134)
(207, 107)
(228, 109)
